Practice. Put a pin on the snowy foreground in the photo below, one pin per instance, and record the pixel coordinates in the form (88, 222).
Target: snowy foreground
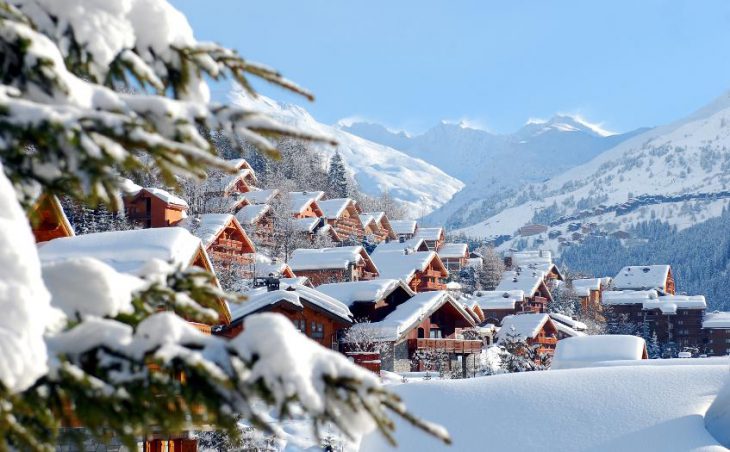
(658, 405)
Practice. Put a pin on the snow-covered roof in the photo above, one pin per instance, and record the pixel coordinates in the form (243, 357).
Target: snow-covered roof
(239, 163)
(297, 280)
(403, 226)
(525, 326)
(498, 299)
(412, 244)
(165, 196)
(126, 251)
(453, 250)
(225, 183)
(431, 234)
(569, 321)
(264, 269)
(527, 281)
(366, 219)
(299, 200)
(642, 277)
(669, 304)
(363, 291)
(540, 260)
(377, 216)
(259, 196)
(261, 298)
(565, 329)
(717, 319)
(209, 225)
(129, 188)
(583, 351)
(328, 258)
(409, 314)
(394, 265)
(227, 203)
(618, 297)
(251, 214)
(583, 287)
(334, 208)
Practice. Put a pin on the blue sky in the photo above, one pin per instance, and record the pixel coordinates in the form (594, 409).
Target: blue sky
(492, 64)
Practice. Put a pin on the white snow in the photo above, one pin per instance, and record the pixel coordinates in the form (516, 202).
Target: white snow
(126, 251)
(167, 197)
(498, 299)
(363, 291)
(395, 245)
(641, 277)
(300, 200)
(394, 265)
(403, 226)
(569, 321)
(334, 208)
(616, 297)
(525, 326)
(208, 226)
(24, 300)
(669, 304)
(326, 258)
(627, 408)
(431, 234)
(85, 286)
(377, 168)
(527, 281)
(251, 214)
(260, 298)
(453, 251)
(261, 196)
(716, 320)
(584, 286)
(585, 351)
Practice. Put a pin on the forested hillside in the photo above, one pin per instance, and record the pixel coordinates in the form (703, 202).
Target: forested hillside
(699, 256)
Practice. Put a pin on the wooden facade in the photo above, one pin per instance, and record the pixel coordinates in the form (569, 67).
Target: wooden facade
(684, 329)
(148, 210)
(347, 224)
(431, 278)
(48, 220)
(232, 246)
(716, 341)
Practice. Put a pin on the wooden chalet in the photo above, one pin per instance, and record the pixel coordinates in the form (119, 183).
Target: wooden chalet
(423, 271)
(589, 290)
(568, 326)
(496, 305)
(245, 169)
(531, 327)
(328, 265)
(405, 246)
(676, 319)
(716, 334)
(224, 239)
(538, 260)
(645, 277)
(153, 207)
(265, 267)
(371, 300)
(318, 316)
(258, 221)
(434, 237)
(455, 256)
(343, 214)
(404, 229)
(230, 184)
(532, 283)
(377, 226)
(431, 321)
(313, 227)
(305, 204)
(258, 196)
(48, 219)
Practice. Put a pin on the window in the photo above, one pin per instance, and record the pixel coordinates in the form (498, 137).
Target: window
(435, 333)
(301, 325)
(317, 330)
(680, 322)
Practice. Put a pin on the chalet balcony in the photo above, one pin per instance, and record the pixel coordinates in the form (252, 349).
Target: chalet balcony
(459, 346)
(546, 340)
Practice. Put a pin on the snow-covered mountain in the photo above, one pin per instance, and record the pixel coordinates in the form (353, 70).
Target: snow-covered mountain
(495, 166)
(375, 167)
(679, 173)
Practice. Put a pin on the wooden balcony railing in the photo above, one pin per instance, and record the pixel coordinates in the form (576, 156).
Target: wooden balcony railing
(546, 340)
(446, 345)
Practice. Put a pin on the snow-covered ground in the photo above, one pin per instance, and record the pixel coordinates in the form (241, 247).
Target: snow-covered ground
(657, 405)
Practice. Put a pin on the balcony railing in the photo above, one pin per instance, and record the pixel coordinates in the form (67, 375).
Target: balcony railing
(446, 345)
(546, 340)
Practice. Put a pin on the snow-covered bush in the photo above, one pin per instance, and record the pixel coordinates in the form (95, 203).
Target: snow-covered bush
(89, 89)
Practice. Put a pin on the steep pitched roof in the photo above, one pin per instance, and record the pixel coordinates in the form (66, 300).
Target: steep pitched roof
(296, 295)
(300, 200)
(363, 291)
(454, 251)
(259, 196)
(253, 213)
(383, 223)
(540, 260)
(410, 314)
(164, 195)
(404, 226)
(526, 326)
(208, 226)
(527, 281)
(330, 258)
(642, 277)
(394, 265)
(334, 208)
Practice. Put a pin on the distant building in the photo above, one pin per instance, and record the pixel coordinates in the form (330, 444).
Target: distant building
(434, 237)
(423, 271)
(455, 256)
(716, 332)
(535, 329)
(153, 207)
(343, 214)
(645, 277)
(328, 265)
(404, 229)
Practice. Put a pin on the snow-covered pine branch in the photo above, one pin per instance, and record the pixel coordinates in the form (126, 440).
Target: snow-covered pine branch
(88, 89)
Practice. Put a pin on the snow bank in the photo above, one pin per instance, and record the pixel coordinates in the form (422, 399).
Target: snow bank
(630, 408)
(584, 351)
(24, 300)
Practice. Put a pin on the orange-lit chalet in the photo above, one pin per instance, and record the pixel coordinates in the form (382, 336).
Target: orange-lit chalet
(48, 219)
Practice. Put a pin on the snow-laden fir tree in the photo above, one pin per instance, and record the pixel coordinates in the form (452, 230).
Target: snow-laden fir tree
(338, 184)
(90, 90)
(516, 355)
(490, 274)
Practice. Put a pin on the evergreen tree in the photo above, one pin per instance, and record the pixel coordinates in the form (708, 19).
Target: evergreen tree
(338, 184)
(492, 269)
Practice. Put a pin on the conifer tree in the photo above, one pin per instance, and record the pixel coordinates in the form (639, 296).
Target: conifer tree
(338, 184)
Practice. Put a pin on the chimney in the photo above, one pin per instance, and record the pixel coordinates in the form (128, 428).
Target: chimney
(272, 283)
